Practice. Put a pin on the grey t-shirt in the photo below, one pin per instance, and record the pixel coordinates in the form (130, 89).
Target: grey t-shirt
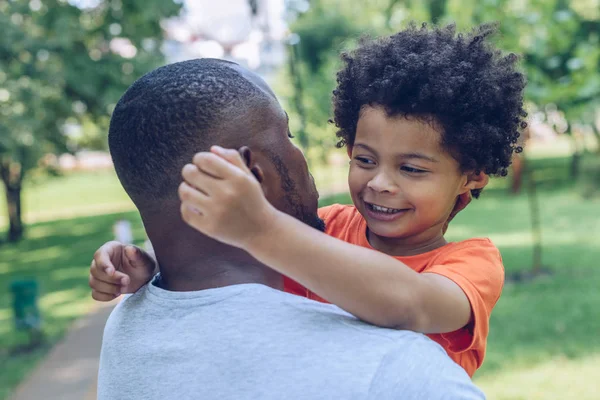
(254, 342)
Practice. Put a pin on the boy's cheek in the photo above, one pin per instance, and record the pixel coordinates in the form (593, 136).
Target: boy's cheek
(356, 179)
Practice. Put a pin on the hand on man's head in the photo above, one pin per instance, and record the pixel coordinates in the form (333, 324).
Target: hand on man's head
(221, 198)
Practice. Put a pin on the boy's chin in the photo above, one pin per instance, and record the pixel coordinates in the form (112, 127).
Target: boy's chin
(387, 232)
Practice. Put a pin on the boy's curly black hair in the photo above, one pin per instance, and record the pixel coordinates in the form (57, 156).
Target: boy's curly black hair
(468, 87)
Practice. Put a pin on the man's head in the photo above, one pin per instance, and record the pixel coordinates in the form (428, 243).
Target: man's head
(177, 110)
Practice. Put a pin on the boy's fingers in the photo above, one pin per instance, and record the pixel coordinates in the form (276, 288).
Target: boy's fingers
(191, 216)
(101, 274)
(233, 156)
(103, 256)
(188, 189)
(103, 296)
(191, 195)
(139, 258)
(125, 280)
(121, 278)
(135, 256)
(104, 287)
(191, 174)
(218, 167)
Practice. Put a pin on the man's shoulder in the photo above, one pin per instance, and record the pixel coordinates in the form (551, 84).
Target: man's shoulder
(120, 314)
(410, 365)
(426, 373)
(332, 317)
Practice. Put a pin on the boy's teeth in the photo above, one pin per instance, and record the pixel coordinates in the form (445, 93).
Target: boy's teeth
(384, 209)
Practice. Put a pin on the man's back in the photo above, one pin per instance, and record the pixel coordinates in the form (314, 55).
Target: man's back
(254, 342)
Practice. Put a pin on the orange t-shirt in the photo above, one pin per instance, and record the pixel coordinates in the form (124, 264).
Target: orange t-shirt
(475, 265)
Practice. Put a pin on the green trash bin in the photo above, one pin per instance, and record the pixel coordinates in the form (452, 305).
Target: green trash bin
(25, 308)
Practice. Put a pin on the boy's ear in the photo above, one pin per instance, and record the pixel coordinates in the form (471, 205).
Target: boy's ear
(476, 180)
(349, 150)
(249, 160)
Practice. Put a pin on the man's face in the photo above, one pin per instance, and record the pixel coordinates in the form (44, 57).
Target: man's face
(295, 193)
(289, 186)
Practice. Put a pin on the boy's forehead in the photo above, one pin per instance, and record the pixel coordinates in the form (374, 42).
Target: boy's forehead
(374, 123)
(400, 137)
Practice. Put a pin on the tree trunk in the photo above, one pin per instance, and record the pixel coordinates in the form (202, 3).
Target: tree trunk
(536, 227)
(12, 177)
(597, 135)
(518, 165)
(437, 9)
(389, 13)
(298, 95)
(575, 167)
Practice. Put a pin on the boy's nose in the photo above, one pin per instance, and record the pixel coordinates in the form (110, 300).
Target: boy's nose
(381, 183)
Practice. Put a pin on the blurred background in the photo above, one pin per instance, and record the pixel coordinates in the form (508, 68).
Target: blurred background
(65, 63)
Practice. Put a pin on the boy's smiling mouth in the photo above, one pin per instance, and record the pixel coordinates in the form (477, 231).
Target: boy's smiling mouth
(382, 213)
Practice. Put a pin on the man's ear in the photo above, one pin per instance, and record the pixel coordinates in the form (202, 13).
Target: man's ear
(248, 158)
(476, 181)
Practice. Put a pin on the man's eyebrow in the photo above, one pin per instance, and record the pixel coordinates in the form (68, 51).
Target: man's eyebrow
(287, 117)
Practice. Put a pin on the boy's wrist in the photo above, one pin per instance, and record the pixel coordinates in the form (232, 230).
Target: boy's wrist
(266, 231)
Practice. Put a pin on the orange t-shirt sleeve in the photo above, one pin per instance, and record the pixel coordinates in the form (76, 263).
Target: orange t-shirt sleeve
(477, 269)
(325, 211)
(328, 213)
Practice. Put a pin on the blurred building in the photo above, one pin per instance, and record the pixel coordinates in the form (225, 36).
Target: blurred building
(251, 33)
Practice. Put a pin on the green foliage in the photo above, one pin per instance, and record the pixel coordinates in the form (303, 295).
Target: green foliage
(60, 63)
(62, 69)
(318, 36)
(559, 41)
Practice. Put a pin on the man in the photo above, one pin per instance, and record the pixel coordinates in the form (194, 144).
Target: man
(214, 323)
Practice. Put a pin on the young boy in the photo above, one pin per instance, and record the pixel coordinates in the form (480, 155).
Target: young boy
(426, 116)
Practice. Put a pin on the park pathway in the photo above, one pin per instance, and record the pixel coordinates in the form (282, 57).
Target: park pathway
(69, 371)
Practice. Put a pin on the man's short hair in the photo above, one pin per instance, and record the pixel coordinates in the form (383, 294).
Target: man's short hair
(167, 116)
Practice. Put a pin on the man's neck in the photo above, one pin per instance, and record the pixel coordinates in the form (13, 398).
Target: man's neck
(190, 261)
(213, 274)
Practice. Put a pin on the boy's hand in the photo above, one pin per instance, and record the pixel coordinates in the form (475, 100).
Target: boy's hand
(117, 269)
(221, 198)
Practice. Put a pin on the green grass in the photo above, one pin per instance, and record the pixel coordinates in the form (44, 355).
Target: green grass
(73, 194)
(545, 335)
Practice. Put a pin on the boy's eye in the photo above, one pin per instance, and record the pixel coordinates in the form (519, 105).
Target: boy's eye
(412, 170)
(364, 160)
(290, 135)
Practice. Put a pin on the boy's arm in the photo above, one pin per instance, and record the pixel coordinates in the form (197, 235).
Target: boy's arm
(371, 285)
(118, 268)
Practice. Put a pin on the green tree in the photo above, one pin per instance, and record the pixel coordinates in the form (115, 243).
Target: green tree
(64, 64)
